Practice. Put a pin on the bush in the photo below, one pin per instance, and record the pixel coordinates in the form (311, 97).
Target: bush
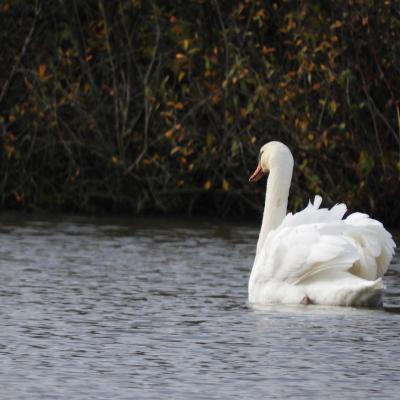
(161, 106)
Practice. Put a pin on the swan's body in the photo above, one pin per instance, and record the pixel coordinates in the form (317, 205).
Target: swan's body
(314, 256)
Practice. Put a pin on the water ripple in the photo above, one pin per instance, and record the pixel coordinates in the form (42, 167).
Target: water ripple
(158, 309)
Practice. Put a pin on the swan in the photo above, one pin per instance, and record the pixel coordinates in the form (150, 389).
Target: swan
(314, 256)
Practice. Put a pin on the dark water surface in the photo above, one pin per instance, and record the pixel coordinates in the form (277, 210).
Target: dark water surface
(156, 309)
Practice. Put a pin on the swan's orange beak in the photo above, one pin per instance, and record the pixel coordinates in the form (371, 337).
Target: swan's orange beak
(257, 174)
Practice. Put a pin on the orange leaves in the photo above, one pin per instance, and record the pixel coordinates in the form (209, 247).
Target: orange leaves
(175, 150)
(303, 125)
(181, 76)
(179, 106)
(286, 98)
(115, 160)
(267, 50)
(19, 197)
(225, 185)
(216, 96)
(184, 151)
(290, 25)
(177, 29)
(42, 71)
(207, 185)
(337, 24)
(333, 106)
(28, 84)
(154, 159)
(147, 161)
(9, 150)
(260, 14)
(170, 115)
(316, 86)
(325, 138)
(185, 44)
(318, 146)
(5, 7)
(72, 178)
(180, 56)
(170, 132)
(87, 88)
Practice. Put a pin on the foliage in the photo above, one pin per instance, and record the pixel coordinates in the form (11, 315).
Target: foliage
(161, 106)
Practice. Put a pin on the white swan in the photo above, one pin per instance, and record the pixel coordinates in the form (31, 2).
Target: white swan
(314, 256)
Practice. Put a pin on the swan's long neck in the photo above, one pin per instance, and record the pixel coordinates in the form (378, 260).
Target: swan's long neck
(276, 199)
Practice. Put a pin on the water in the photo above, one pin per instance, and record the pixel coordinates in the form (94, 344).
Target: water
(156, 309)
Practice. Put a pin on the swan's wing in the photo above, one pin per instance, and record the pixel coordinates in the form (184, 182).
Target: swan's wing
(306, 243)
(318, 239)
(374, 244)
(292, 254)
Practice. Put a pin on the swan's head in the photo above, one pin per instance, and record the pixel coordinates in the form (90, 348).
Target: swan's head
(272, 155)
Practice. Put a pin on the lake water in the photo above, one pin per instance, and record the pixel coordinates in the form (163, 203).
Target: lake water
(157, 309)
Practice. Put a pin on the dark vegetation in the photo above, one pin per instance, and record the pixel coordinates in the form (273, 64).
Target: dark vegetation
(161, 106)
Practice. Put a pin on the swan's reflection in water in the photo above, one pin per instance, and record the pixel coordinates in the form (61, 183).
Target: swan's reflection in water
(158, 309)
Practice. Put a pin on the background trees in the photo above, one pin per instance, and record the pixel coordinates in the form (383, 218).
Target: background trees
(161, 106)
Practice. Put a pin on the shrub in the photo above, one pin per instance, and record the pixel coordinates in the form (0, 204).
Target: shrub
(161, 106)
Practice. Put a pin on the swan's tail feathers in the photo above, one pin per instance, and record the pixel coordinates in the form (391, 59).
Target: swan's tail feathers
(374, 244)
(343, 289)
(370, 295)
